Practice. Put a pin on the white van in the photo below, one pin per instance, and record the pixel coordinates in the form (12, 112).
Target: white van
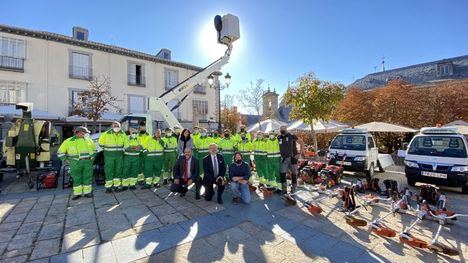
(438, 156)
(358, 149)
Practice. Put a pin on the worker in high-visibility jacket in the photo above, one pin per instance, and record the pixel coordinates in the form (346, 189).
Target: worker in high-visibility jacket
(170, 155)
(202, 145)
(132, 160)
(215, 138)
(245, 147)
(273, 161)
(112, 142)
(241, 133)
(154, 152)
(259, 148)
(196, 134)
(79, 151)
(228, 147)
(142, 135)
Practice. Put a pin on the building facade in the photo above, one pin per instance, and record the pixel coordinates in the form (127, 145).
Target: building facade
(50, 70)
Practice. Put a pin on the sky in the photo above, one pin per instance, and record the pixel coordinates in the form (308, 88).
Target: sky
(339, 40)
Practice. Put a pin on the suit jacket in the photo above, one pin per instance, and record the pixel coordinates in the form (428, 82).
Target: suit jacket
(179, 168)
(209, 176)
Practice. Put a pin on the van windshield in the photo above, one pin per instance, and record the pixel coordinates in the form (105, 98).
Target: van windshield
(445, 146)
(349, 142)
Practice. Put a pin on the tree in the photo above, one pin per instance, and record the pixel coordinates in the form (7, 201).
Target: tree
(312, 99)
(230, 118)
(97, 100)
(252, 98)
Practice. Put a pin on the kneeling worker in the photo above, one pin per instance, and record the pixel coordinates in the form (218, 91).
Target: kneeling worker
(79, 151)
(239, 173)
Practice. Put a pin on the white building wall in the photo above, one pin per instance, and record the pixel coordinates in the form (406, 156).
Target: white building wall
(46, 72)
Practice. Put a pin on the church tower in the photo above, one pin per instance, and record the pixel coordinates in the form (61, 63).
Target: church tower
(270, 104)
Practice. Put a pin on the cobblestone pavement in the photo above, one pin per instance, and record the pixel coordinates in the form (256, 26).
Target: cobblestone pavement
(156, 226)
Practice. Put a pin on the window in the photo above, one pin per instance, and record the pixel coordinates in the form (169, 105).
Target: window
(136, 104)
(349, 142)
(80, 33)
(371, 143)
(12, 92)
(200, 89)
(444, 69)
(12, 53)
(74, 96)
(171, 78)
(80, 66)
(136, 74)
(200, 108)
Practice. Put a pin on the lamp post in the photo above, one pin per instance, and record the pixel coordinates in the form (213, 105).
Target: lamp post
(219, 87)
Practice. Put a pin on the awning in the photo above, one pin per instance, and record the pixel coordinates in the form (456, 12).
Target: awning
(266, 126)
(320, 126)
(377, 126)
(11, 111)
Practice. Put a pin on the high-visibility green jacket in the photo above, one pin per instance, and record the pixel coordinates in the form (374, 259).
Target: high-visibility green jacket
(130, 145)
(154, 147)
(227, 145)
(202, 144)
(195, 137)
(216, 140)
(259, 146)
(113, 142)
(75, 148)
(238, 137)
(245, 147)
(170, 143)
(143, 136)
(272, 148)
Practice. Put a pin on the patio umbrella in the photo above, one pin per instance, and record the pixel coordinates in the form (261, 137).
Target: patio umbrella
(377, 126)
(461, 126)
(320, 126)
(266, 126)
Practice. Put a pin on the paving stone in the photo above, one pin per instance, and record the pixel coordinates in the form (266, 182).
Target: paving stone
(108, 210)
(78, 237)
(139, 215)
(126, 250)
(294, 253)
(19, 259)
(10, 226)
(73, 257)
(172, 219)
(299, 234)
(50, 231)
(57, 210)
(153, 201)
(15, 217)
(105, 201)
(99, 253)
(42, 260)
(130, 202)
(5, 236)
(20, 241)
(163, 210)
(54, 218)
(317, 244)
(112, 221)
(36, 215)
(112, 233)
(3, 246)
(193, 212)
(29, 228)
(45, 248)
(148, 227)
(80, 218)
(17, 252)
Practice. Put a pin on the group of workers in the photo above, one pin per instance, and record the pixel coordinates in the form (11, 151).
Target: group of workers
(136, 157)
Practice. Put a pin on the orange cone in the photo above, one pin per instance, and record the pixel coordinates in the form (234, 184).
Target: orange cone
(351, 220)
(413, 241)
(382, 230)
(314, 209)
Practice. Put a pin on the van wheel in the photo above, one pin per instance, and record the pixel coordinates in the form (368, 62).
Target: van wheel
(370, 173)
(411, 182)
(465, 190)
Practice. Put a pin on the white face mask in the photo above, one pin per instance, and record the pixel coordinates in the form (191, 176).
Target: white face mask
(203, 134)
(133, 135)
(272, 136)
(86, 136)
(116, 129)
(169, 134)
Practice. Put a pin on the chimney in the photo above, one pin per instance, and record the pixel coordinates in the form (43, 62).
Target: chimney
(383, 64)
(80, 33)
(164, 53)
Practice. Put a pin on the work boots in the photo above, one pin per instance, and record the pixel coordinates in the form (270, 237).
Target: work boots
(284, 187)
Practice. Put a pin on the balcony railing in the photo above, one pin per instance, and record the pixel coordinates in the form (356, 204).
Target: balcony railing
(12, 63)
(136, 80)
(76, 72)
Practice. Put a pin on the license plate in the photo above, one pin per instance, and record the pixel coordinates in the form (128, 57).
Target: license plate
(432, 174)
(344, 163)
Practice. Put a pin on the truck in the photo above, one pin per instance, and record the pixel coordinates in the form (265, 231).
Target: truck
(438, 156)
(355, 150)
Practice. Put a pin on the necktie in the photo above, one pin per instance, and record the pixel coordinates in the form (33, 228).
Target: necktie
(186, 170)
(215, 166)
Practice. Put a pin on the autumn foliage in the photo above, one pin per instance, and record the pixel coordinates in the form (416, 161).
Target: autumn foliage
(404, 104)
(230, 118)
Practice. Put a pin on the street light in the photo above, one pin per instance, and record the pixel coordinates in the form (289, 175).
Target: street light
(219, 87)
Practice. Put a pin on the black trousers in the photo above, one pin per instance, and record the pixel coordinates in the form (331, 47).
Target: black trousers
(209, 189)
(182, 187)
(284, 179)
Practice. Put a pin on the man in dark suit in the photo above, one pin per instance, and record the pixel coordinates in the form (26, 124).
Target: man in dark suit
(186, 172)
(215, 170)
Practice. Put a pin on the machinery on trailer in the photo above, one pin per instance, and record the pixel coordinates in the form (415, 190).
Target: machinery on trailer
(27, 148)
